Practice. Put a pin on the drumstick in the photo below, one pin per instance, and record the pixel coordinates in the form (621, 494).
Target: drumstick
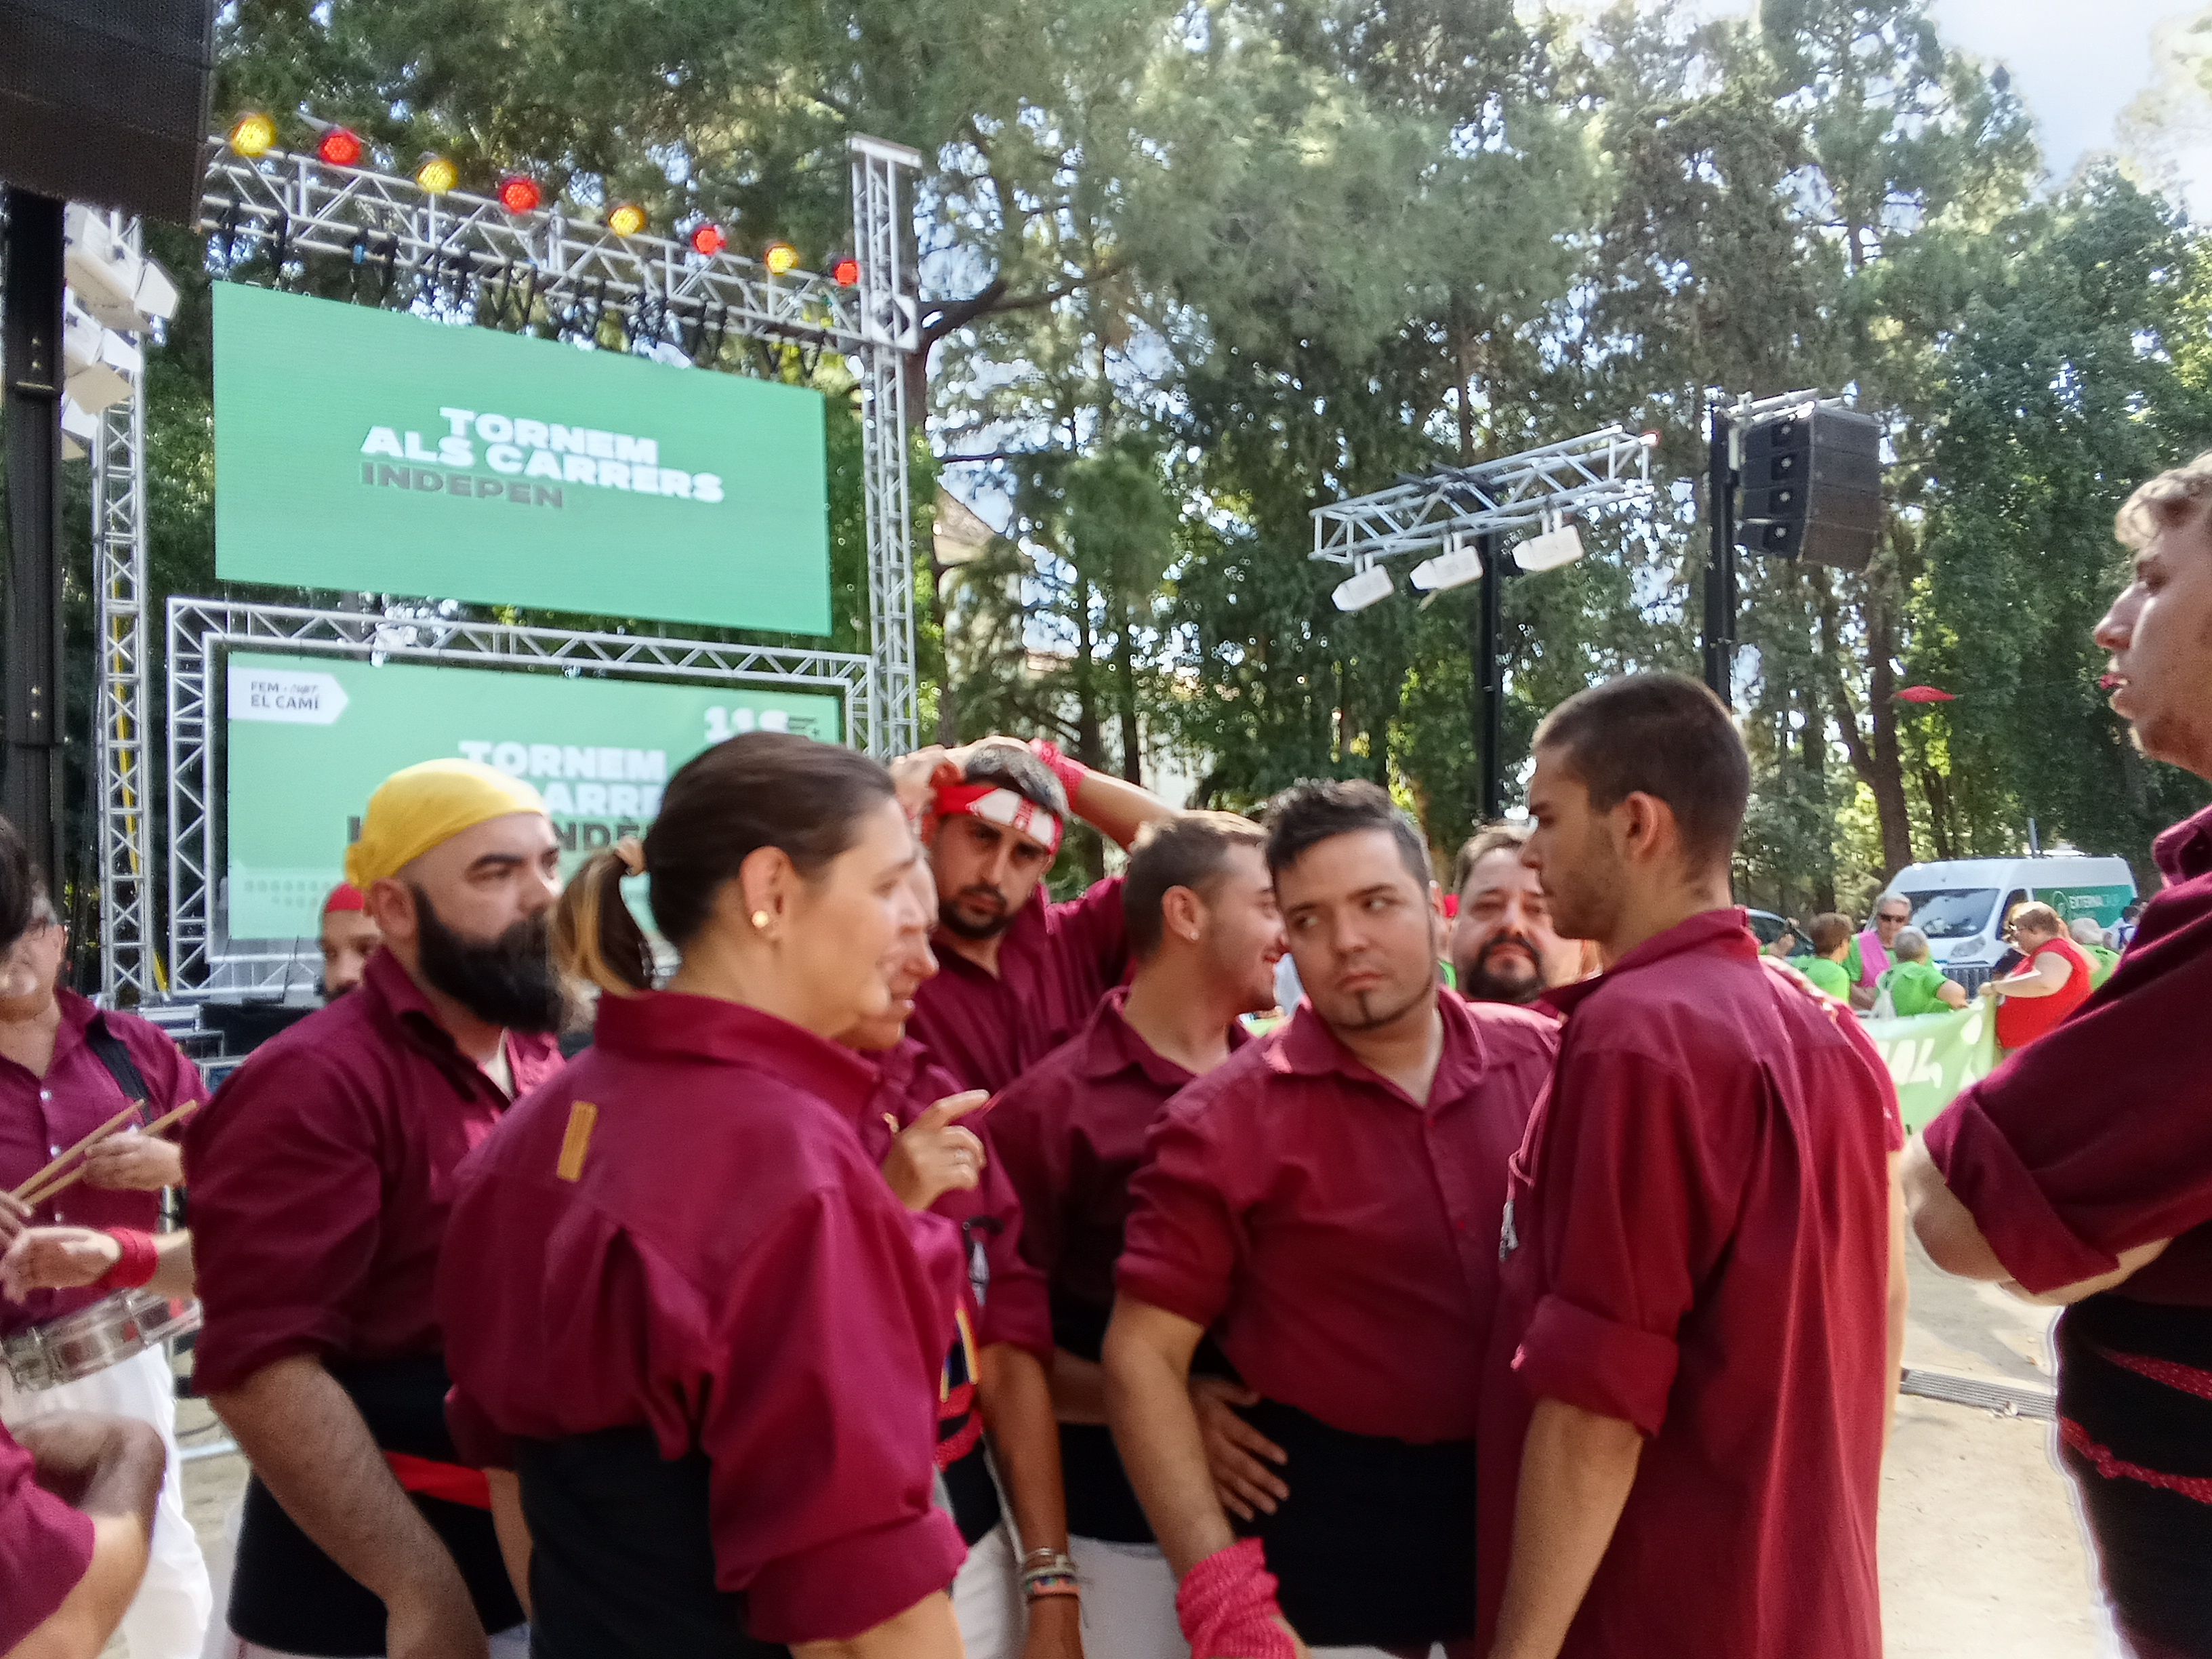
(48, 1194)
(22, 1192)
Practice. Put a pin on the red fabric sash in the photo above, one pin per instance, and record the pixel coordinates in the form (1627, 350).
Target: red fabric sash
(449, 1481)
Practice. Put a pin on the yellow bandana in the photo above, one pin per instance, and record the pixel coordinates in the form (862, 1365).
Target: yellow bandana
(424, 806)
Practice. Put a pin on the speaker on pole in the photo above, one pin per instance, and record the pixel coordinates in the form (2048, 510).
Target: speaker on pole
(1810, 486)
(106, 101)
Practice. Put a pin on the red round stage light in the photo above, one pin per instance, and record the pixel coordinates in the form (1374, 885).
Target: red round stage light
(709, 240)
(519, 195)
(340, 148)
(845, 271)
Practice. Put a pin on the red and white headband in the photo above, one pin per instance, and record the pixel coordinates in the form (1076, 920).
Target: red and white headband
(996, 803)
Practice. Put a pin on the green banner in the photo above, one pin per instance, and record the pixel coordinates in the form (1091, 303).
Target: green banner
(1932, 1057)
(308, 739)
(379, 452)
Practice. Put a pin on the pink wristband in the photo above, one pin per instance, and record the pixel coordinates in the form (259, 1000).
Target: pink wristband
(1071, 773)
(135, 1265)
(1226, 1607)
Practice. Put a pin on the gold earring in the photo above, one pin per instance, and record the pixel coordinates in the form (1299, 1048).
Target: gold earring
(760, 920)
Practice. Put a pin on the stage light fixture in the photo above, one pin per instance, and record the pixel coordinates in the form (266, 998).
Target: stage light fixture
(340, 148)
(1371, 586)
(1456, 566)
(845, 270)
(781, 258)
(437, 175)
(254, 135)
(627, 220)
(1558, 546)
(518, 194)
(709, 239)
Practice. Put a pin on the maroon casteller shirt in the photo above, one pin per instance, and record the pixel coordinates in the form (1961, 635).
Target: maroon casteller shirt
(321, 1175)
(46, 1546)
(2096, 1139)
(1696, 1242)
(1338, 1240)
(714, 1256)
(41, 1118)
(1055, 961)
(1070, 1133)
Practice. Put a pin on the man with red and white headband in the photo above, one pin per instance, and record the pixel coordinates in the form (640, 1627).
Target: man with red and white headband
(1020, 974)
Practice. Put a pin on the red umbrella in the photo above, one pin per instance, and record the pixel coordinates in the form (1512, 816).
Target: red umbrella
(1925, 694)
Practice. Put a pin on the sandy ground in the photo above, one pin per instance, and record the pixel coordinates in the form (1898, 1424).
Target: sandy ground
(1980, 1553)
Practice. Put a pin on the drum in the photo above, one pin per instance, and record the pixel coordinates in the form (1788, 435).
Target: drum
(112, 1329)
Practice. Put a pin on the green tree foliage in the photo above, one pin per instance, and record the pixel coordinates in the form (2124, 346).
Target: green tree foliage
(1193, 269)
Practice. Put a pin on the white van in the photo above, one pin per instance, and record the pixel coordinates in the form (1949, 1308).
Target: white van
(1961, 904)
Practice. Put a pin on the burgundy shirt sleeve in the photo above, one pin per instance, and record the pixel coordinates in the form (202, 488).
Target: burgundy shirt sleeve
(46, 1546)
(2092, 1140)
(171, 1079)
(1184, 1234)
(1637, 1184)
(286, 1192)
(1027, 1150)
(1092, 933)
(821, 1423)
(1019, 1310)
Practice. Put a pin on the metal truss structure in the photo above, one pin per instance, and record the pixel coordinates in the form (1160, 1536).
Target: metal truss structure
(125, 832)
(504, 264)
(201, 955)
(1425, 514)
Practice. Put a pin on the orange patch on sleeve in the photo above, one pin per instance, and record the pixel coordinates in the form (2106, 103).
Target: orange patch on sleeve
(583, 1118)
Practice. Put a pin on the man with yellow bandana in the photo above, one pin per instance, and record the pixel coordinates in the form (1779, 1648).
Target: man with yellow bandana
(319, 1178)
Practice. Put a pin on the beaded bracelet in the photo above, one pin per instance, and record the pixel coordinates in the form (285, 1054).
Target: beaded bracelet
(1047, 1571)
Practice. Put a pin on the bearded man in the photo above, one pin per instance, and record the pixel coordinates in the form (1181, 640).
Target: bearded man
(320, 1177)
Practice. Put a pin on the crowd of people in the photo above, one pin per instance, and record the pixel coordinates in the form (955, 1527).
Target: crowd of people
(879, 1258)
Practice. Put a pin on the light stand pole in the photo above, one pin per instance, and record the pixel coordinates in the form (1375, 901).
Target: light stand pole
(1720, 562)
(1489, 660)
(31, 407)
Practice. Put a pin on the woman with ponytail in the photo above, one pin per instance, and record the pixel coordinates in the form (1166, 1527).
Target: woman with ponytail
(683, 1303)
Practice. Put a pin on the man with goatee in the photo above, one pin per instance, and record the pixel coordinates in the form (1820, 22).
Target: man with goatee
(320, 1178)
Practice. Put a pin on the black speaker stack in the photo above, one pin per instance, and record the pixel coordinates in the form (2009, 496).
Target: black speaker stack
(1811, 487)
(104, 102)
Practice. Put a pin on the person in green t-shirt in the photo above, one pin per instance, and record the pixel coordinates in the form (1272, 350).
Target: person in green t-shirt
(1832, 943)
(1915, 985)
(2102, 958)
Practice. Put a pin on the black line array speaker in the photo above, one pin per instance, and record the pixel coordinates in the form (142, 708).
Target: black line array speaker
(1812, 487)
(106, 101)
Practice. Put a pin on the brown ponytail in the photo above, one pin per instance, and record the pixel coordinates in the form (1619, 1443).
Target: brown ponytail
(725, 803)
(595, 936)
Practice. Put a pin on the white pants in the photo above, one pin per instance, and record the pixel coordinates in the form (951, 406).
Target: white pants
(986, 1598)
(168, 1618)
(1128, 1602)
(507, 1645)
(1129, 1605)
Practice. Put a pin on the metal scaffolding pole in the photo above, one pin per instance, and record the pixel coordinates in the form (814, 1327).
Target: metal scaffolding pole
(130, 971)
(889, 319)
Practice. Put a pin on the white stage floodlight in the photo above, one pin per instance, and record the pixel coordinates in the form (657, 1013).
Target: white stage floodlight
(1550, 550)
(1453, 567)
(97, 365)
(79, 428)
(1370, 586)
(121, 289)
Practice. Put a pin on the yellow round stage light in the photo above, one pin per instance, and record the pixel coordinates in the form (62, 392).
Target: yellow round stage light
(254, 135)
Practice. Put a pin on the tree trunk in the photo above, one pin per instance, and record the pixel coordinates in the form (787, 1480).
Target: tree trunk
(1088, 747)
(1125, 690)
(1876, 757)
